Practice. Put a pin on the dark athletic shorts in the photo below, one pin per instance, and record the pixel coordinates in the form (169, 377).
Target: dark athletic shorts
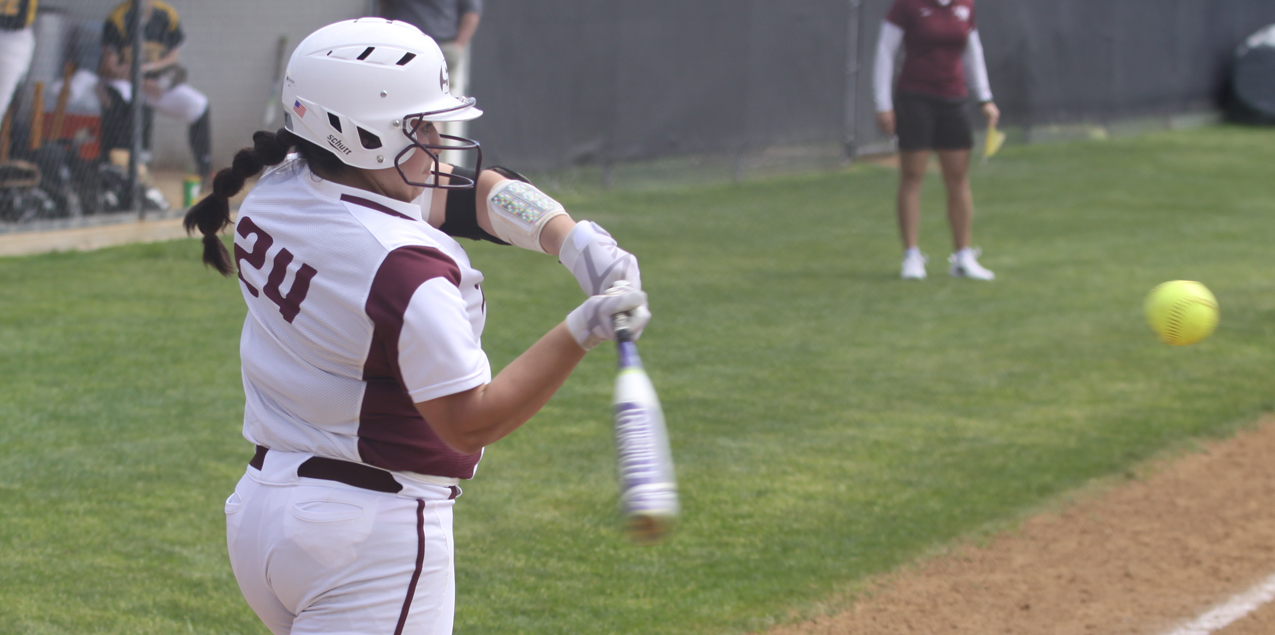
(931, 123)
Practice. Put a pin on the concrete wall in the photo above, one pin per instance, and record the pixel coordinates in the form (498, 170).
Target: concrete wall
(230, 51)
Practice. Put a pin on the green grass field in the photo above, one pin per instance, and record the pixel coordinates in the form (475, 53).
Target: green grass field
(829, 421)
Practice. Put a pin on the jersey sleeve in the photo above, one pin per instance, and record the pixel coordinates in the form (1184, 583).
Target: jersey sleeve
(469, 6)
(976, 68)
(422, 335)
(173, 35)
(439, 354)
(898, 14)
(888, 44)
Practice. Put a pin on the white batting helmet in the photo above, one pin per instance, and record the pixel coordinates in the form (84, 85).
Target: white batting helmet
(365, 88)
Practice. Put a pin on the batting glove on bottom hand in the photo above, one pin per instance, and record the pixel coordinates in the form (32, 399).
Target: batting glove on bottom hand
(591, 323)
(597, 262)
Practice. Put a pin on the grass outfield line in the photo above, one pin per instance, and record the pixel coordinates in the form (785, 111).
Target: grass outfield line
(829, 421)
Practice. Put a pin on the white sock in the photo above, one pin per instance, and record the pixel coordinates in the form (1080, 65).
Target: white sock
(911, 251)
(964, 252)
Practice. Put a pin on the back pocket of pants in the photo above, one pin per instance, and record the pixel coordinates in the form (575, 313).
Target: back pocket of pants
(330, 532)
(326, 511)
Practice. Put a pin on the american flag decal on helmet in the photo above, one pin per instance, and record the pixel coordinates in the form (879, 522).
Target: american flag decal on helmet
(300, 110)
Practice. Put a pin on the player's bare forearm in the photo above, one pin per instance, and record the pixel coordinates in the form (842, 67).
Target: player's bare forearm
(991, 113)
(112, 65)
(468, 27)
(555, 232)
(169, 59)
(470, 420)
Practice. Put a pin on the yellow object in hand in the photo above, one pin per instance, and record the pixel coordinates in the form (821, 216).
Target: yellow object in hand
(992, 144)
(1181, 312)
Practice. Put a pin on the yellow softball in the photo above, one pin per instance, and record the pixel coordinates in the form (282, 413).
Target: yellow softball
(1181, 312)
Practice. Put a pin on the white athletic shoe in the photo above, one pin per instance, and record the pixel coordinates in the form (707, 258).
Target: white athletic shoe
(965, 265)
(913, 266)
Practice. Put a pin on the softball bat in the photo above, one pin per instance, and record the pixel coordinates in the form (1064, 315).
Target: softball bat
(648, 488)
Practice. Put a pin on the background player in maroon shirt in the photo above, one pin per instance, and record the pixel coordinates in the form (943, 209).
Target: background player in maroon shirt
(942, 53)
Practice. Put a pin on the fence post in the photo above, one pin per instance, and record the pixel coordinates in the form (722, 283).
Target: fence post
(850, 139)
(135, 109)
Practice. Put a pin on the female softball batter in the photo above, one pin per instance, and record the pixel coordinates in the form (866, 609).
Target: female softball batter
(941, 51)
(369, 397)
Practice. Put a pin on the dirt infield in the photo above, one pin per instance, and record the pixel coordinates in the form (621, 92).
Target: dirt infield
(90, 238)
(1146, 557)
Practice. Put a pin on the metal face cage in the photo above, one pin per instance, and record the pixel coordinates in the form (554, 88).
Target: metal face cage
(416, 124)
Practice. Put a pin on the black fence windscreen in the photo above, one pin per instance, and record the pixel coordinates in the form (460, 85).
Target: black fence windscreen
(568, 82)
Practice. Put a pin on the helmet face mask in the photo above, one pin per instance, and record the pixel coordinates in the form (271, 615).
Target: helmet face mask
(416, 126)
(365, 89)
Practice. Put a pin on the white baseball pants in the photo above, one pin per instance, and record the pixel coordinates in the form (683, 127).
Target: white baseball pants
(182, 101)
(315, 556)
(16, 49)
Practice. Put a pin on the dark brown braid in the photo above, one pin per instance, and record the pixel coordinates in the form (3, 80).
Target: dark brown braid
(212, 214)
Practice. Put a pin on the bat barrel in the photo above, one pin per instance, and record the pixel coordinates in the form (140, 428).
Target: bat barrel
(648, 488)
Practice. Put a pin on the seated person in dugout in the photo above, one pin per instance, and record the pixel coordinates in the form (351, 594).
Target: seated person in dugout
(164, 80)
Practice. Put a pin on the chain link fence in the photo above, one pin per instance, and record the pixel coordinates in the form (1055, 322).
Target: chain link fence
(74, 145)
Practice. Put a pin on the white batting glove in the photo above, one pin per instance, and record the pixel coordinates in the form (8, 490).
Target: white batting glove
(591, 323)
(597, 262)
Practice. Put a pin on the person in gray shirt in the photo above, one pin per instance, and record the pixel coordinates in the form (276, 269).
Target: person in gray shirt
(444, 20)
(452, 23)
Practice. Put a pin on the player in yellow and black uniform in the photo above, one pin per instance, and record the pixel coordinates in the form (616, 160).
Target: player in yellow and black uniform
(17, 43)
(17, 14)
(164, 85)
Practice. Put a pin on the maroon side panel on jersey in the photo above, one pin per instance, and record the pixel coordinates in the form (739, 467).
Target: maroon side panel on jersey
(392, 433)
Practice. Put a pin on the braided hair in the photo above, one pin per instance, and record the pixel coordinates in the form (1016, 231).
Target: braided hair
(212, 214)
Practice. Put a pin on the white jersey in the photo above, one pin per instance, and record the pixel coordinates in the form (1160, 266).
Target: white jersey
(357, 310)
